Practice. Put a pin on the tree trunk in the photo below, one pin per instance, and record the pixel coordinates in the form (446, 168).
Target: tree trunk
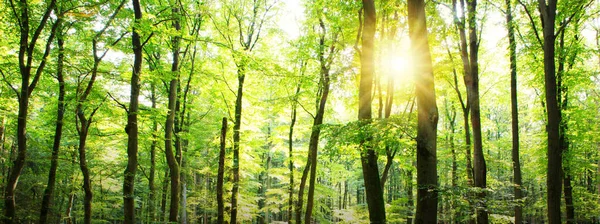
(372, 181)
(409, 193)
(236, 141)
(172, 161)
(83, 165)
(313, 144)
(49, 191)
(152, 178)
(174, 172)
(132, 124)
(466, 107)
(163, 201)
(291, 158)
(26, 51)
(68, 217)
(427, 196)
(220, 173)
(515, 113)
(479, 165)
(300, 201)
(553, 182)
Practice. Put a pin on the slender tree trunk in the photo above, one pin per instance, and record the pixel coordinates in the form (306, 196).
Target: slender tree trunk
(562, 100)
(459, 21)
(26, 51)
(83, 165)
(372, 181)
(313, 144)
(553, 182)
(300, 201)
(409, 193)
(220, 173)
(71, 192)
(152, 178)
(427, 196)
(515, 113)
(174, 171)
(83, 127)
(163, 201)
(132, 124)
(236, 141)
(479, 165)
(68, 218)
(172, 161)
(291, 158)
(390, 153)
(570, 208)
(49, 191)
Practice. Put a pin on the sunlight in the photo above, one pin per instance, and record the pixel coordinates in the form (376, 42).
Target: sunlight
(399, 66)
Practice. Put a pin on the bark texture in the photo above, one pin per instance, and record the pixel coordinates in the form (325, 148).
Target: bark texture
(372, 181)
(427, 195)
(132, 124)
(512, 46)
(553, 181)
(60, 113)
(220, 173)
(26, 52)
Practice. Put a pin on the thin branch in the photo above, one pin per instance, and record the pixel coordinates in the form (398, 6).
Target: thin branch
(564, 24)
(227, 106)
(359, 33)
(119, 103)
(110, 19)
(38, 30)
(535, 30)
(94, 112)
(147, 39)
(38, 71)
(10, 85)
(308, 112)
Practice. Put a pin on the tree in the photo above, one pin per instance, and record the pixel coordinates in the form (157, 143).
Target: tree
(368, 158)
(26, 56)
(174, 163)
(220, 204)
(514, 111)
(553, 181)
(60, 114)
(249, 33)
(427, 195)
(132, 125)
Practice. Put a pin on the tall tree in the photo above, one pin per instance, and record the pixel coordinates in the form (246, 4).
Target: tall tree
(460, 23)
(220, 174)
(512, 46)
(241, 41)
(27, 52)
(291, 148)
(368, 157)
(83, 121)
(173, 162)
(479, 166)
(469, 47)
(325, 60)
(553, 176)
(60, 114)
(427, 195)
(132, 119)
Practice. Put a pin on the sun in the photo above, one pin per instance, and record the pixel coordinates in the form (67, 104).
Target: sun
(399, 66)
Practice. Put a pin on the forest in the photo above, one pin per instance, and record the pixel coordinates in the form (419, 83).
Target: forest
(300, 111)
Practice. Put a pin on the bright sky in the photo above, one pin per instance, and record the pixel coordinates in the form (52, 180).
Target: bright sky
(291, 18)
